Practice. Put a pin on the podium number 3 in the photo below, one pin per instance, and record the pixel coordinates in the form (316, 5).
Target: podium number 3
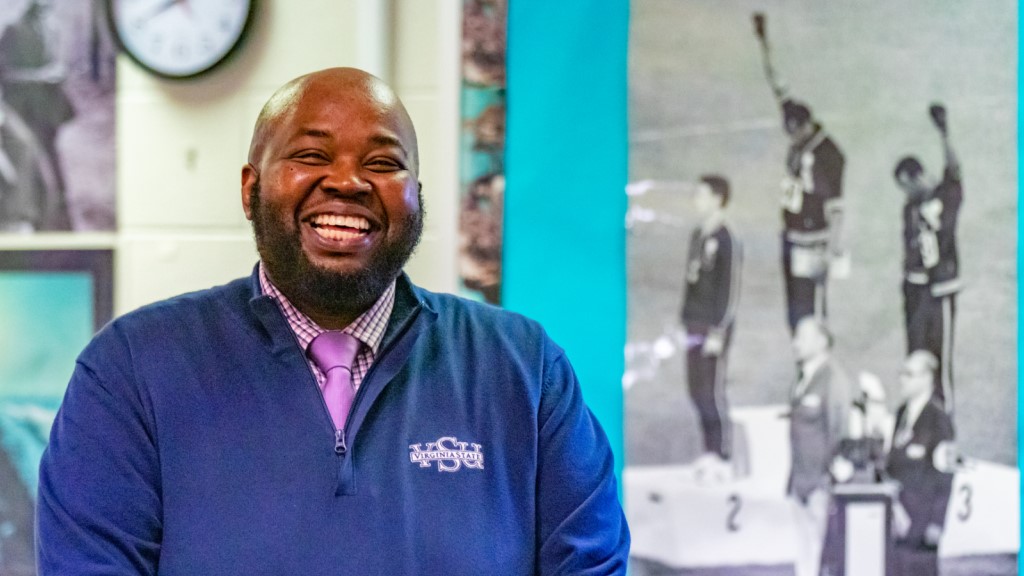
(964, 512)
(735, 504)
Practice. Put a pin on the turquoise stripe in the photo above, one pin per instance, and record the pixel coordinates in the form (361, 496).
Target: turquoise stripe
(566, 169)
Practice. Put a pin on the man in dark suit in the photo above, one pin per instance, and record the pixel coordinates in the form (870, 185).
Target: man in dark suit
(921, 460)
(819, 411)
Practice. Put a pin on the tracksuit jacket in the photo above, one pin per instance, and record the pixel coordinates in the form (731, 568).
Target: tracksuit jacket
(193, 441)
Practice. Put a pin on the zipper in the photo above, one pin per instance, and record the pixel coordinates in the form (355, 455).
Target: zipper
(339, 442)
(340, 446)
(339, 437)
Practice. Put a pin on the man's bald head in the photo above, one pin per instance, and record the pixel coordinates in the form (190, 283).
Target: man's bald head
(342, 84)
(923, 360)
(917, 378)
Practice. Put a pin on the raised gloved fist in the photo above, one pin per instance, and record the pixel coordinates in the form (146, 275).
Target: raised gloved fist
(938, 113)
(759, 24)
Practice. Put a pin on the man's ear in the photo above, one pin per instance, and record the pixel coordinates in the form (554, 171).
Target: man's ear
(249, 178)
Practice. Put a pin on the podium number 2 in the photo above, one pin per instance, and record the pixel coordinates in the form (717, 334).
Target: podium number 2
(964, 512)
(735, 504)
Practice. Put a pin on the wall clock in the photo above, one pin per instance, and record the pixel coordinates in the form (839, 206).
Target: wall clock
(179, 38)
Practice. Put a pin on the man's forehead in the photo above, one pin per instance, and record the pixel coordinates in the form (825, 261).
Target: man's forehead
(344, 86)
(320, 123)
(916, 362)
(317, 105)
(809, 326)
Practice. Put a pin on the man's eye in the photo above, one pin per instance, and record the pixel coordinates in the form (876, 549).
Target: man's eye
(311, 156)
(383, 165)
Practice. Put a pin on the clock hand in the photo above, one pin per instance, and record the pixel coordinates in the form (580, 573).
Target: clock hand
(165, 6)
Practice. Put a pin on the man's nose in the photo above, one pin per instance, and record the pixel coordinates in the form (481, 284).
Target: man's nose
(345, 177)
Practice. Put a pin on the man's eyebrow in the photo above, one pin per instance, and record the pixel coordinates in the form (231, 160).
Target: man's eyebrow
(315, 133)
(385, 140)
(377, 140)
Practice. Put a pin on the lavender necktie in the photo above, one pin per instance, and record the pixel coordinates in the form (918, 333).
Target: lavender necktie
(333, 352)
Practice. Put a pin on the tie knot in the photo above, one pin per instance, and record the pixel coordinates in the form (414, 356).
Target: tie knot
(334, 349)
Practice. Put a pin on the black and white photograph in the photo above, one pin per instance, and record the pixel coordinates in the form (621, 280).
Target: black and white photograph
(821, 365)
(56, 117)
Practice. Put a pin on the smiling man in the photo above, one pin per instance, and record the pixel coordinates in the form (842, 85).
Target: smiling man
(325, 415)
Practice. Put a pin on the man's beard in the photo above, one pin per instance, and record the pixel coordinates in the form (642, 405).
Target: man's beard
(323, 290)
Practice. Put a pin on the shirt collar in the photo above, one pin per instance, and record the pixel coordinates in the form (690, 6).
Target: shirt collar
(369, 327)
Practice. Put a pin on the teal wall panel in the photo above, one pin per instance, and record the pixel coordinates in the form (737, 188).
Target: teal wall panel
(566, 168)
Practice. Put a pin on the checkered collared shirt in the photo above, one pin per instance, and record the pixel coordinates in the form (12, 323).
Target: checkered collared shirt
(368, 328)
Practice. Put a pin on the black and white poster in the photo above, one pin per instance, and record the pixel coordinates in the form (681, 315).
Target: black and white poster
(821, 367)
(56, 117)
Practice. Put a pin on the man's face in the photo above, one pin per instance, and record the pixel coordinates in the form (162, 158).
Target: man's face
(808, 341)
(334, 198)
(915, 377)
(705, 201)
(797, 130)
(913, 186)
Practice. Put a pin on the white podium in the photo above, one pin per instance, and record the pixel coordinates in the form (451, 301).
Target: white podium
(860, 540)
(681, 522)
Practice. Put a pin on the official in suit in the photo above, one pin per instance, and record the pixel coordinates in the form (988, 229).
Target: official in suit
(921, 460)
(819, 411)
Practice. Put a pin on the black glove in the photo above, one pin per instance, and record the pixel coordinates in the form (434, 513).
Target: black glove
(759, 24)
(938, 113)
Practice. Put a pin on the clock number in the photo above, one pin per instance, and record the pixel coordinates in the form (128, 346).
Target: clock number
(735, 504)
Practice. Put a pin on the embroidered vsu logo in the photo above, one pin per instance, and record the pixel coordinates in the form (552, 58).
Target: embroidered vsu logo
(449, 453)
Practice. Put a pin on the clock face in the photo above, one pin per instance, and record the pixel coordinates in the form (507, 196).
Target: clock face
(179, 38)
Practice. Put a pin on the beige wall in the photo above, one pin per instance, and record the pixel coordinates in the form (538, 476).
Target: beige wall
(181, 145)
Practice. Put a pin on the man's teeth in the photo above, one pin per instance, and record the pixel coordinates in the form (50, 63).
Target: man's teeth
(338, 234)
(355, 222)
(335, 227)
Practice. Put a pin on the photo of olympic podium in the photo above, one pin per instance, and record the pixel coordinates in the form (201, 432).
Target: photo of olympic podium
(680, 521)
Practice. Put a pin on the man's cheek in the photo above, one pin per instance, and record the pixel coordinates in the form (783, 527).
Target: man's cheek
(413, 197)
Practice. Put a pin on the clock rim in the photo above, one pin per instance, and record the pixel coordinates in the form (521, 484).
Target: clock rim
(235, 47)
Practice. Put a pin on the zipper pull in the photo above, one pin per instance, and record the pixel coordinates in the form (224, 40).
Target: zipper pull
(339, 442)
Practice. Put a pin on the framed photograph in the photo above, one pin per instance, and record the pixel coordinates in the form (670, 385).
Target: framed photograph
(822, 284)
(51, 302)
